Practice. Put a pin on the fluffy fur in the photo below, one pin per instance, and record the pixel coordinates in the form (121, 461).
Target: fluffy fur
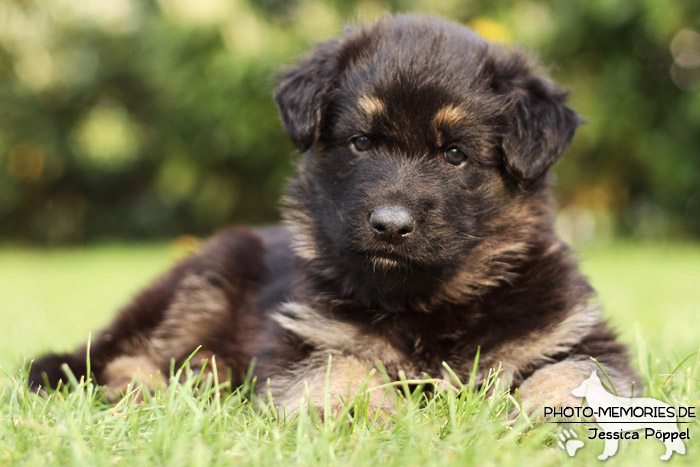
(411, 112)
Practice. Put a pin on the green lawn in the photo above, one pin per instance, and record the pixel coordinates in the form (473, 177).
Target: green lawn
(50, 300)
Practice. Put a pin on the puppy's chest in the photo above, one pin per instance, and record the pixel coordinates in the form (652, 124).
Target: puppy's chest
(414, 344)
(426, 344)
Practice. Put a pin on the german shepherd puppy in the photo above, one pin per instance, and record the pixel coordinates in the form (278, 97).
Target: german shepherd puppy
(419, 230)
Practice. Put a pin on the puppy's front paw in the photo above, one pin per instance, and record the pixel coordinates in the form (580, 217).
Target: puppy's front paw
(349, 384)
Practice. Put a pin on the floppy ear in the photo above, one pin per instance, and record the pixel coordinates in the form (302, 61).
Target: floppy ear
(301, 94)
(538, 128)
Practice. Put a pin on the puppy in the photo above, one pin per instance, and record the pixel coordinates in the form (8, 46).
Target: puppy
(418, 231)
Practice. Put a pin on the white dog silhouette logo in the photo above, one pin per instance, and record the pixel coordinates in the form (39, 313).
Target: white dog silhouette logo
(618, 415)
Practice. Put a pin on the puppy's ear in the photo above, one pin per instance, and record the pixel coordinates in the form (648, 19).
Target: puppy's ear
(302, 92)
(538, 126)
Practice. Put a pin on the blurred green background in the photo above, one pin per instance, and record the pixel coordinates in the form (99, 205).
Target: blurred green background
(134, 119)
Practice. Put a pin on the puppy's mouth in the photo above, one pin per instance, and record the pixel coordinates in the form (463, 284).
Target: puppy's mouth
(383, 261)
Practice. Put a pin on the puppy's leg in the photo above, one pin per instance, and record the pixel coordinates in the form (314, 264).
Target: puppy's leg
(133, 323)
(198, 311)
(201, 314)
(310, 383)
(552, 384)
(121, 371)
(236, 256)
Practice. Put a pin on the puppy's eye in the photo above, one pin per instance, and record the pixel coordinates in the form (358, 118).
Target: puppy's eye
(454, 156)
(361, 143)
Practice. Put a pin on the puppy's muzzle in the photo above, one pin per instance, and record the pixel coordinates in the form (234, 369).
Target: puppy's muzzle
(391, 224)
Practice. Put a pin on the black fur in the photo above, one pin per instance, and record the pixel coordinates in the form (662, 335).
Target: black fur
(483, 268)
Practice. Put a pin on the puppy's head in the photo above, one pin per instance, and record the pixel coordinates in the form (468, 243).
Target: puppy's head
(421, 141)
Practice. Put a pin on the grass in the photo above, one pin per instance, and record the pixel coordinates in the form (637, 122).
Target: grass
(51, 299)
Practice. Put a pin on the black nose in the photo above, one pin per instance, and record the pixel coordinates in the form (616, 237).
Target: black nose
(391, 224)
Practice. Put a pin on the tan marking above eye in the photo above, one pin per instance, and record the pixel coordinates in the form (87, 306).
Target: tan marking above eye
(371, 105)
(448, 115)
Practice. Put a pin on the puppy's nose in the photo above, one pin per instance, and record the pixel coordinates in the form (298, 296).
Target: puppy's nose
(391, 224)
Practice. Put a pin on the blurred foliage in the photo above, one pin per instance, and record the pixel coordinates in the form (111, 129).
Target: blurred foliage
(143, 118)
